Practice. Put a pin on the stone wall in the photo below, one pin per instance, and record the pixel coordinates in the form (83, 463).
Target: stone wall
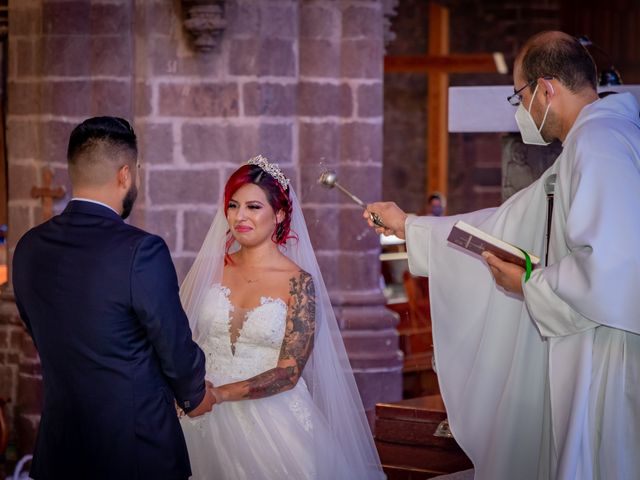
(298, 81)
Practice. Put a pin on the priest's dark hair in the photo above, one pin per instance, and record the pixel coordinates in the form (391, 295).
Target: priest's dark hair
(97, 146)
(561, 56)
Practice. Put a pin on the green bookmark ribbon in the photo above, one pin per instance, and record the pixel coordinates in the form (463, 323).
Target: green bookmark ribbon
(528, 265)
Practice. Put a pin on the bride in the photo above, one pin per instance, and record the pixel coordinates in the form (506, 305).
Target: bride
(287, 403)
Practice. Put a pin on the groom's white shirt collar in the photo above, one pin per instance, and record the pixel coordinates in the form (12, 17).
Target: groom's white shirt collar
(94, 201)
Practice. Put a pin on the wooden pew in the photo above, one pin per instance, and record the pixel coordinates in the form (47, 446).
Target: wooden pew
(404, 436)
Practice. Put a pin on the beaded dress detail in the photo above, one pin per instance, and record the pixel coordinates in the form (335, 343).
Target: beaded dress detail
(265, 438)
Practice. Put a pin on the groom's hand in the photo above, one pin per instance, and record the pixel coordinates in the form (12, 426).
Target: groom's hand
(207, 402)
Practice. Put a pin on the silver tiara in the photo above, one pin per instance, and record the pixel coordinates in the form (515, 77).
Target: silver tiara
(271, 168)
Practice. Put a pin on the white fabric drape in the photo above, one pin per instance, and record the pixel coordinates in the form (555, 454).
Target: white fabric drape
(548, 387)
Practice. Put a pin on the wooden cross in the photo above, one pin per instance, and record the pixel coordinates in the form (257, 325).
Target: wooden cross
(438, 64)
(47, 193)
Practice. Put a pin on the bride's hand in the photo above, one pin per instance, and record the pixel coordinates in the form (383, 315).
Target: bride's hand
(218, 394)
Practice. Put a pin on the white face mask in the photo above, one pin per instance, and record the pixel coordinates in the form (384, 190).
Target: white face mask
(528, 129)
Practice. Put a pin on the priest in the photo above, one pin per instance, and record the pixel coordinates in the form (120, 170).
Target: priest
(540, 370)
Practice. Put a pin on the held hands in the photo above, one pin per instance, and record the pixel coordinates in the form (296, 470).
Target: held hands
(207, 403)
(507, 275)
(391, 215)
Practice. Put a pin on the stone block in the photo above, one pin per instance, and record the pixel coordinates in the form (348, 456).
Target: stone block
(111, 97)
(243, 18)
(357, 271)
(370, 101)
(355, 233)
(54, 140)
(317, 218)
(163, 224)
(199, 100)
(111, 55)
(30, 394)
(26, 432)
(25, 98)
(20, 220)
(22, 139)
(179, 187)
(362, 21)
(324, 99)
(319, 58)
(278, 21)
(67, 97)
(362, 180)
(172, 57)
(110, 18)
(162, 17)
(9, 314)
(155, 143)
(327, 260)
(142, 99)
(183, 264)
(319, 21)
(361, 142)
(319, 142)
(28, 57)
(4, 338)
(66, 18)
(362, 58)
(15, 338)
(310, 191)
(219, 143)
(25, 21)
(272, 56)
(195, 227)
(487, 176)
(275, 141)
(23, 177)
(6, 381)
(368, 317)
(269, 99)
(62, 55)
(362, 343)
(376, 387)
(28, 351)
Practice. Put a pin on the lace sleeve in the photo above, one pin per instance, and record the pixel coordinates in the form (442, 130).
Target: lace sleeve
(295, 351)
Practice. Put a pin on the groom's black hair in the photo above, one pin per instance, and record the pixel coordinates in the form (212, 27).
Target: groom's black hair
(97, 145)
(114, 130)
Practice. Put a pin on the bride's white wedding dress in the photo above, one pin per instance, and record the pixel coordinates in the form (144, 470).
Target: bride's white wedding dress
(270, 438)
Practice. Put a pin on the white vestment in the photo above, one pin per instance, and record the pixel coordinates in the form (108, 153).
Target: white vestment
(548, 387)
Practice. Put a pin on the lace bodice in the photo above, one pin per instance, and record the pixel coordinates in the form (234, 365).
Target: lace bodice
(257, 346)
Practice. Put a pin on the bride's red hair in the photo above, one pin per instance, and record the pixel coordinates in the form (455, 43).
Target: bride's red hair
(277, 197)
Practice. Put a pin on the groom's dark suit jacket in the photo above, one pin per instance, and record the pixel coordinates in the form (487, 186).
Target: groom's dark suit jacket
(100, 299)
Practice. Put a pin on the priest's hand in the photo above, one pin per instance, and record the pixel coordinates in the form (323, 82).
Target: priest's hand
(391, 216)
(508, 275)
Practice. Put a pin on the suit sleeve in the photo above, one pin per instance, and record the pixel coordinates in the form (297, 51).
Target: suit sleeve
(154, 291)
(18, 291)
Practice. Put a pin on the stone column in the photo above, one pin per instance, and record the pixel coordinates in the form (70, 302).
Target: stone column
(340, 126)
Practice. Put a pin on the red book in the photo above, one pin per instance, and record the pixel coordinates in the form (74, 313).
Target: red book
(477, 241)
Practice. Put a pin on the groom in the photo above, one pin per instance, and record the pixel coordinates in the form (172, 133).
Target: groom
(100, 299)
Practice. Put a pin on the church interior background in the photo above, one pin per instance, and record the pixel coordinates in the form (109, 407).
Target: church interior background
(307, 83)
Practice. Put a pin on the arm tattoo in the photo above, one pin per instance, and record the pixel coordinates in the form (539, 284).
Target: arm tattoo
(297, 343)
(301, 321)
